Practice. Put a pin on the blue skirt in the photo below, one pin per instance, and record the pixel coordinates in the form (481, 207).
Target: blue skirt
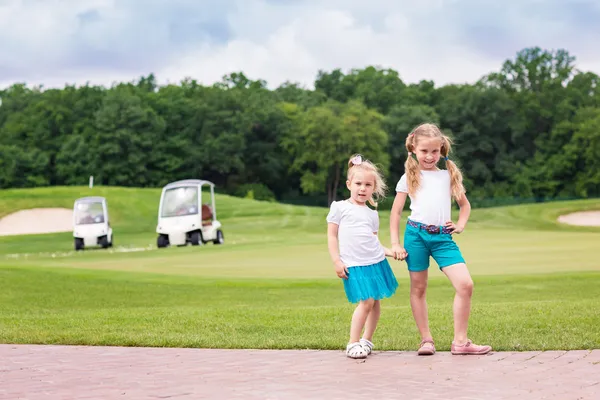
(376, 281)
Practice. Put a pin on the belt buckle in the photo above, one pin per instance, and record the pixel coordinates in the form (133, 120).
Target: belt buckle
(432, 229)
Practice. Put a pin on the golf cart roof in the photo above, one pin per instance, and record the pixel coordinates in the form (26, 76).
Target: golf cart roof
(90, 199)
(188, 182)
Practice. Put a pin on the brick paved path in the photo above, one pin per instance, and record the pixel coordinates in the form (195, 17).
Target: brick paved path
(74, 372)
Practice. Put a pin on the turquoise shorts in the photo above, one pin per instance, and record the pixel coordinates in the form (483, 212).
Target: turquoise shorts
(421, 244)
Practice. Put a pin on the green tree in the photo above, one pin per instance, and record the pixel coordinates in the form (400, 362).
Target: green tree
(126, 130)
(330, 134)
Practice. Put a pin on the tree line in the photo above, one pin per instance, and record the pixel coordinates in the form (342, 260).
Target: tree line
(528, 132)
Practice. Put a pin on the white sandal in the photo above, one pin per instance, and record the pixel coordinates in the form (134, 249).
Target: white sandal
(355, 350)
(367, 345)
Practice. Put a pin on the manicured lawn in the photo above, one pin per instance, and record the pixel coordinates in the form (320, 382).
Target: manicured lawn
(271, 285)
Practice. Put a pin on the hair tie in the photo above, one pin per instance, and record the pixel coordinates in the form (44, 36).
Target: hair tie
(356, 160)
(409, 153)
(446, 158)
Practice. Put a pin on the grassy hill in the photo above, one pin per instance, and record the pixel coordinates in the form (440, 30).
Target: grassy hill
(495, 238)
(135, 210)
(134, 214)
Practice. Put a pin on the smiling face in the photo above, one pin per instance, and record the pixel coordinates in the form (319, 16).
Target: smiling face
(428, 152)
(361, 186)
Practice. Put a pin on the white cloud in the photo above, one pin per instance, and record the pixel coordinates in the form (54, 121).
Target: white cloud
(332, 38)
(444, 41)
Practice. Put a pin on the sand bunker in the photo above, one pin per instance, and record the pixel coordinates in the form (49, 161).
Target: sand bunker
(582, 218)
(37, 220)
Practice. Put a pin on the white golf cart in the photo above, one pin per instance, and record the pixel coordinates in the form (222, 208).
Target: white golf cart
(183, 218)
(91, 226)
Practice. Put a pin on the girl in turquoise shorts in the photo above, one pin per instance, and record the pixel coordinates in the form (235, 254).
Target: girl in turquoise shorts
(429, 231)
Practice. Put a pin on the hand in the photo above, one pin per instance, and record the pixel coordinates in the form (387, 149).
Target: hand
(398, 252)
(454, 228)
(341, 270)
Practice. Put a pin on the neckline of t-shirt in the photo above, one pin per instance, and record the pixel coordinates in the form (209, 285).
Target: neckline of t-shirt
(355, 205)
(437, 170)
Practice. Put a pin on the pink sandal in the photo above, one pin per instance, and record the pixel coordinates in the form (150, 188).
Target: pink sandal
(426, 348)
(470, 348)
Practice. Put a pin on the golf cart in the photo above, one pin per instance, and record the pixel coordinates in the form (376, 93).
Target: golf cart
(91, 226)
(183, 218)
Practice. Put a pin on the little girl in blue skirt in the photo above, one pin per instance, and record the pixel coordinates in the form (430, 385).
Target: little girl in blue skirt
(358, 255)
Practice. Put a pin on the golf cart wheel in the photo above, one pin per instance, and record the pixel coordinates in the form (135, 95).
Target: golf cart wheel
(220, 238)
(162, 241)
(195, 238)
(104, 242)
(78, 244)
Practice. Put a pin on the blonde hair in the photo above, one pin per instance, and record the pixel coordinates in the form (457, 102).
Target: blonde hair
(411, 166)
(358, 163)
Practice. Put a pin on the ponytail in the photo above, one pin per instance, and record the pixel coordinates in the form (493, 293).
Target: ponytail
(456, 179)
(411, 166)
(413, 175)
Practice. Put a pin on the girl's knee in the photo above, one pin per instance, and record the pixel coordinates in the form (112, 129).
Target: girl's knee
(418, 289)
(367, 304)
(465, 287)
(418, 292)
(418, 283)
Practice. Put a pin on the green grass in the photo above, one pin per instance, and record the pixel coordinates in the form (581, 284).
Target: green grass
(55, 306)
(537, 282)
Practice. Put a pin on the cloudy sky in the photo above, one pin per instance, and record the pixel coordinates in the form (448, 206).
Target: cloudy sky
(54, 42)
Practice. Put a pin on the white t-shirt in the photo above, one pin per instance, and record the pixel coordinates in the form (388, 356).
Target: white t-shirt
(432, 202)
(358, 244)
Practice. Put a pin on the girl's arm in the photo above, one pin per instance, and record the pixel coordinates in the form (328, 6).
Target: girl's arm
(398, 251)
(388, 252)
(463, 215)
(334, 252)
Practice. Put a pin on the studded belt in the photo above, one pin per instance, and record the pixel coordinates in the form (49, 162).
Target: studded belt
(433, 229)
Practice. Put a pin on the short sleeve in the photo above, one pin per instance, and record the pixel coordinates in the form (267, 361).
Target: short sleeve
(402, 186)
(375, 221)
(335, 214)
